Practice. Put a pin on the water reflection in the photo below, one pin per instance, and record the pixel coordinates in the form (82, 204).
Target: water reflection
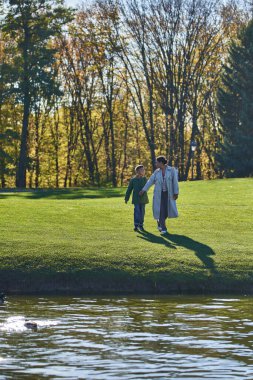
(127, 338)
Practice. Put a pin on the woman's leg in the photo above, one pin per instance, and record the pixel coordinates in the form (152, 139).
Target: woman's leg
(163, 210)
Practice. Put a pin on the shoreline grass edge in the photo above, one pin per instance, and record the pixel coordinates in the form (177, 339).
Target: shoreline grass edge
(119, 283)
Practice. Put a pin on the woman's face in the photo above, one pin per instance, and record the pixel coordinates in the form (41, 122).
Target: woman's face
(159, 165)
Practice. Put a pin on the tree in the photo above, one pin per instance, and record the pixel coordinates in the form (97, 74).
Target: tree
(32, 24)
(187, 39)
(81, 78)
(235, 106)
(104, 41)
(137, 78)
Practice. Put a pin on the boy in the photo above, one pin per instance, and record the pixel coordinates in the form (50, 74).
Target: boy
(136, 184)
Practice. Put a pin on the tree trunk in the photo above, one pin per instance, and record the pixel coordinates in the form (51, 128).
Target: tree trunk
(107, 152)
(22, 164)
(167, 133)
(37, 158)
(85, 134)
(113, 156)
(193, 135)
(124, 150)
(172, 143)
(3, 183)
(198, 162)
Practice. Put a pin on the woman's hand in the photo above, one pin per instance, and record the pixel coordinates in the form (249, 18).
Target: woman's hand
(175, 196)
(141, 192)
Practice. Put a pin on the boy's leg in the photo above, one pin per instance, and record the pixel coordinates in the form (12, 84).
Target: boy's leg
(136, 215)
(142, 214)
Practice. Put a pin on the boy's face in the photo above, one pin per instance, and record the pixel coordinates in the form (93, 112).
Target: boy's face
(141, 172)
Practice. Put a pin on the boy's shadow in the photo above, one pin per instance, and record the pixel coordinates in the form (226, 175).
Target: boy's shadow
(202, 251)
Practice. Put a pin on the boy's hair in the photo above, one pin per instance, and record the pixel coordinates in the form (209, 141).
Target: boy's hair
(138, 167)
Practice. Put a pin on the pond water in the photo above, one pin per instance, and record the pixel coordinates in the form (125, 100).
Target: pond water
(127, 338)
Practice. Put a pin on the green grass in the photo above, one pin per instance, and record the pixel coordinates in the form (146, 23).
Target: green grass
(83, 240)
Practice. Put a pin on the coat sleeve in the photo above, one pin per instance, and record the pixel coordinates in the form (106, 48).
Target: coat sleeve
(175, 182)
(150, 182)
(129, 190)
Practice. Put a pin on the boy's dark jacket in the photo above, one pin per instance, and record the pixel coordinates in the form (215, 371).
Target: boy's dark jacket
(136, 184)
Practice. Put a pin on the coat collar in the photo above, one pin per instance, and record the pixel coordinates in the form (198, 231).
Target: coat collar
(167, 173)
(167, 169)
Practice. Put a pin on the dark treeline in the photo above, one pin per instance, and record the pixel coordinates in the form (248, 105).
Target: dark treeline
(88, 93)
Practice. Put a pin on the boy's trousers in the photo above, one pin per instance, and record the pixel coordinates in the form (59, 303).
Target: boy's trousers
(139, 213)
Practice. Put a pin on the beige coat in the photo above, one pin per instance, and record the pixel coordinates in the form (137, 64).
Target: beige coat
(156, 179)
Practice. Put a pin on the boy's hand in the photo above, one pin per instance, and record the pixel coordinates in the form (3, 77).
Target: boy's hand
(141, 192)
(175, 196)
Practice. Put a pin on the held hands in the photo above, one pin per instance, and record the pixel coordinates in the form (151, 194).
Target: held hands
(175, 196)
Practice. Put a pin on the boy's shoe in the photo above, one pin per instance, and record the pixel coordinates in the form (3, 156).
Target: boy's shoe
(163, 232)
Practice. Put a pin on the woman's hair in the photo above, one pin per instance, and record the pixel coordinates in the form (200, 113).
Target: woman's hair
(162, 159)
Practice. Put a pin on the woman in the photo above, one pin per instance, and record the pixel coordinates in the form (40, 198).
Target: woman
(165, 193)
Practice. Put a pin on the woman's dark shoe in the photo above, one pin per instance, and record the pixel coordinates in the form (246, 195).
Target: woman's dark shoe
(135, 229)
(159, 226)
(141, 228)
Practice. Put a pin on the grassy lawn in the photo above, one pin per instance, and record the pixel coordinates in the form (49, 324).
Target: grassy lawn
(70, 240)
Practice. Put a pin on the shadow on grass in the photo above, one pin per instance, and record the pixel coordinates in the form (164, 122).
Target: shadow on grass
(202, 251)
(89, 193)
(148, 236)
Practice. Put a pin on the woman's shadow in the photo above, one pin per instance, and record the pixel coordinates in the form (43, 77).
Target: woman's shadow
(202, 251)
